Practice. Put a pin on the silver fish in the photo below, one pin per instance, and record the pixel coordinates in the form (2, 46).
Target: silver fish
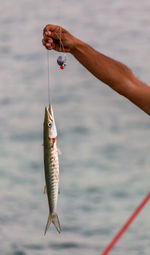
(51, 167)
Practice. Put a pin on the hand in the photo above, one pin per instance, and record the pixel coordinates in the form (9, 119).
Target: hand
(57, 38)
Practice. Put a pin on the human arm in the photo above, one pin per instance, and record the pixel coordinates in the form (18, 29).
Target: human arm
(113, 73)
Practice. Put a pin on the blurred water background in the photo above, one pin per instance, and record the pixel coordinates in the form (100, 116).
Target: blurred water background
(104, 139)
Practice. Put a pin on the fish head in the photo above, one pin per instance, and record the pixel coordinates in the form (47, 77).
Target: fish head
(50, 122)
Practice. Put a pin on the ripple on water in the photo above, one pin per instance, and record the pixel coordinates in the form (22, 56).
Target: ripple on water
(102, 231)
(19, 252)
(121, 194)
(72, 228)
(65, 245)
(80, 130)
(34, 247)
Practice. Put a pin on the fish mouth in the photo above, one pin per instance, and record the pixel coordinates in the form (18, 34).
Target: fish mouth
(50, 109)
(49, 115)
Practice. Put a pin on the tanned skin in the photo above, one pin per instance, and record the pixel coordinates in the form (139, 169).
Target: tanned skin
(113, 73)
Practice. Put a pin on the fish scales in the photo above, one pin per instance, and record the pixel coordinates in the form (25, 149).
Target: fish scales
(51, 167)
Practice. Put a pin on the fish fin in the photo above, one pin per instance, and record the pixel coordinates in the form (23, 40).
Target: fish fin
(45, 189)
(48, 224)
(56, 222)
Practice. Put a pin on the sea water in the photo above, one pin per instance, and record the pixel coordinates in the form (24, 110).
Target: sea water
(104, 138)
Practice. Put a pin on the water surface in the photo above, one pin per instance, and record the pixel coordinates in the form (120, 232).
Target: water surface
(104, 139)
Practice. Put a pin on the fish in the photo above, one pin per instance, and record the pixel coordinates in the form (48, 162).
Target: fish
(51, 167)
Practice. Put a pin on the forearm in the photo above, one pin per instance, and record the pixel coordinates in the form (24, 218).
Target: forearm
(115, 74)
(109, 71)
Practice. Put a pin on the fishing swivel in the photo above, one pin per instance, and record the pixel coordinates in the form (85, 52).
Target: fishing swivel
(61, 61)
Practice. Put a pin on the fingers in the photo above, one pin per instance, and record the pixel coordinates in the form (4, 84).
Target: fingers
(49, 35)
(47, 40)
(49, 44)
(55, 32)
(57, 38)
(52, 28)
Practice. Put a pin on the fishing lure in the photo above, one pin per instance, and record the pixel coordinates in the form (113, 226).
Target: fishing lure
(61, 61)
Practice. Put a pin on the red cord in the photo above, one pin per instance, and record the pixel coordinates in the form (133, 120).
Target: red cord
(126, 225)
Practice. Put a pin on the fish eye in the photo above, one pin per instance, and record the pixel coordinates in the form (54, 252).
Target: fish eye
(50, 124)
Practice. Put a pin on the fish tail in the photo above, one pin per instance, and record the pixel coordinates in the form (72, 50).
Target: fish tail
(55, 220)
(48, 223)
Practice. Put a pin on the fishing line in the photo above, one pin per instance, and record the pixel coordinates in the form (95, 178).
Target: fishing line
(61, 60)
(61, 48)
(48, 77)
